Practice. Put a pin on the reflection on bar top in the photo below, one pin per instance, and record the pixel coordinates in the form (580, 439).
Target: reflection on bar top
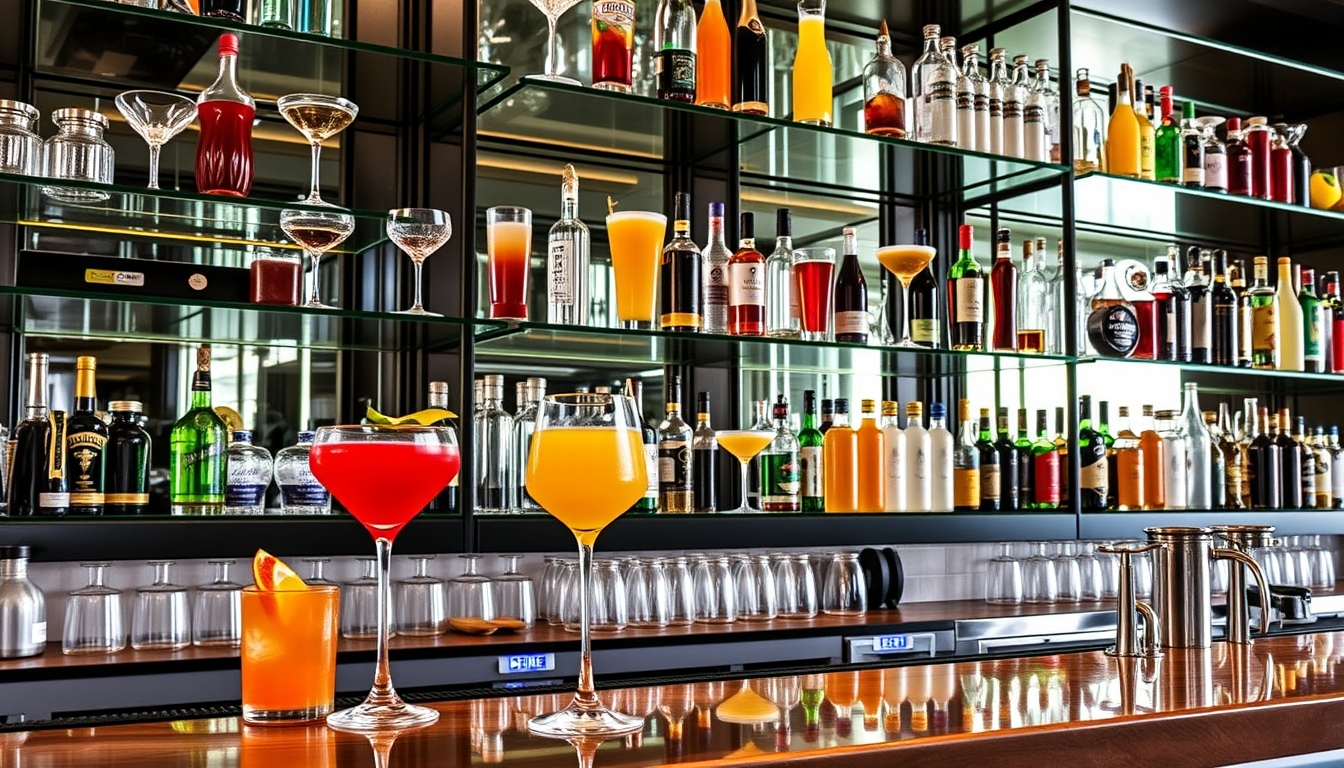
(819, 713)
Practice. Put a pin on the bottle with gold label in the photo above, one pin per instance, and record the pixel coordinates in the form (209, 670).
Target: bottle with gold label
(126, 461)
(1264, 318)
(966, 463)
(991, 467)
(85, 440)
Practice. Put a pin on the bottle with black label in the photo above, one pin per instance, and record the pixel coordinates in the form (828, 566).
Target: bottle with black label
(674, 51)
(991, 467)
(705, 459)
(85, 441)
(1010, 477)
(1201, 305)
(31, 463)
(1192, 148)
(126, 461)
(681, 308)
(1094, 475)
(676, 492)
(1173, 309)
(1112, 327)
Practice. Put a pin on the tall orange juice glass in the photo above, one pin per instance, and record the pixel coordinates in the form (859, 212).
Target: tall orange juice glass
(508, 247)
(636, 240)
(812, 70)
(289, 654)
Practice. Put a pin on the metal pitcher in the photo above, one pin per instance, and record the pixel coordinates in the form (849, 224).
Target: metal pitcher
(1244, 538)
(1181, 593)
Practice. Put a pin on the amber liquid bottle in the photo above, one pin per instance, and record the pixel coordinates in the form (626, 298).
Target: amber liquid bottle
(1154, 454)
(1003, 286)
(872, 447)
(839, 455)
(870, 698)
(1130, 486)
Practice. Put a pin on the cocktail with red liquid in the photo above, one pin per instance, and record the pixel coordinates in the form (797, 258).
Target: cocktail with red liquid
(508, 246)
(813, 271)
(613, 44)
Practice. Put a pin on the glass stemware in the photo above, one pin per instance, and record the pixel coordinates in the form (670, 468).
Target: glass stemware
(318, 231)
(93, 617)
(157, 117)
(905, 261)
(318, 118)
(744, 444)
(419, 232)
(554, 9)
(384, 475)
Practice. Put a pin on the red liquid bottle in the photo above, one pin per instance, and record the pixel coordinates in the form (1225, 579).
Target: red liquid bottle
(226, 112)
(746, 283)
(1281, 162)
(1257, 136)
(1333, 300)
(1239, 162)
(1003, 286)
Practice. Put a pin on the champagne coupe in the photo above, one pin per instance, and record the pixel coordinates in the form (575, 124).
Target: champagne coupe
(384, 475)
(744, 444)
(157, 117)
(595, 437)
(318, 231)
(905, 261)
(554, 9)
(419, 232)
(318, 118)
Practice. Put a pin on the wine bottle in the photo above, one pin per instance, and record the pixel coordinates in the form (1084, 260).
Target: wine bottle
(991, 467)
(750, 63)
(648, 504)
(674, 50)
(810, 456)
(1264, 470)
(36, 473)
(1265, 342)
(1010, 477)
(851, 294)
(926, 328)
(966, 296)
(1201, 307)
(1290, 460)
(1313, 324)
(1094, 476)
(704, 459)
(1045, 480)
(1003, 286)
(1226, 325)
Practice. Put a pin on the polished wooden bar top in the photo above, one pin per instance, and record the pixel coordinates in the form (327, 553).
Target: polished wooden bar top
(1229, 704)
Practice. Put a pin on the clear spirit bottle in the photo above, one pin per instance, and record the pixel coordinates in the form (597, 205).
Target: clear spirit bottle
(300, 492)
(524, 425)
(1033, 300)
(704, 458)
(1050, 101)
(1089, 127)
(1014, 103)
(920, 73)
(250, 470)
(781, 311)
(978, 137)
(997, 83)
(567, 257)
(942, 95)
(196, 450)
(1036, 125)
(492, 430)
(965, 95)
(714, 273)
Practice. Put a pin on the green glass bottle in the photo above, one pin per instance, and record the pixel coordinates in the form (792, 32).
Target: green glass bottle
(966, 296)
(1167, 144)
(1045, 483)
(1094, 476)
(991, 467)
(809, 454)
(196, 454)
(1313, 324)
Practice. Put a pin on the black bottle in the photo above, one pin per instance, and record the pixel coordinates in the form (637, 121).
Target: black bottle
(126, 461)
(1290, 461)
(86, 439)
(704, 459)
(991, 467)
(926, 327)
(1010, 476)
(1094, 473)
(1263, 466)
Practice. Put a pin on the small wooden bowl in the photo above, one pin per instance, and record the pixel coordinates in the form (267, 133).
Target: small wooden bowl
(473, 626)
(509, 625)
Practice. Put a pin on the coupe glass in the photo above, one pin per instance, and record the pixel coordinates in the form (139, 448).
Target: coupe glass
(318, 118)
(157, 117)
(596, 437)
(905, 261)
(384, 475)
(554, 9)
(419, 232)
(744, 444)
(318, 231)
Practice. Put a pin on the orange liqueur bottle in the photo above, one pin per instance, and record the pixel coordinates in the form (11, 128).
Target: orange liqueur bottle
(872, 445)
(713, 49)
(1129, 465)
(1154, 458)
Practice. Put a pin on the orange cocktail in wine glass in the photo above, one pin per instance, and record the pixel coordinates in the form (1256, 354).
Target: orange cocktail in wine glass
(744, 444)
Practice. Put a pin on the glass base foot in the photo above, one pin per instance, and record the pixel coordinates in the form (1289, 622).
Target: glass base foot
(576, 722)
(420, 312)
(553, 79)
(317, 305)
(381, 717)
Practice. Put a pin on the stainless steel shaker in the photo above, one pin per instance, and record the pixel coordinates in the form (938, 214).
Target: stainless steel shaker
(23, 609)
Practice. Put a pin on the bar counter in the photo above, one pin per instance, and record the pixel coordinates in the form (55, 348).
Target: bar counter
(1225, 705)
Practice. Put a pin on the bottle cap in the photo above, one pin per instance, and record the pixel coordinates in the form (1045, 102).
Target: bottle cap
(810, 400)
(937, 411)
(228, 45)
(702, 402)
(126, 406)
(783, 223)
(438, 388)
(828, 406)
(932, 31)
(746, 229)
(914, 409)
(244, 435)
(1003, 235)
(890, 407)
(921, 236)
(306, 436)
(682, 207)
(86, 363)
(15, 552)
(1284, 261)
(716, 210)
(842, 405)
(965, 236)
(868, 406)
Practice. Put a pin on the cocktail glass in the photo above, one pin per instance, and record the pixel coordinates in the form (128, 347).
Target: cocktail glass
(157, 117)
(596, 437)
(744, 444)
(508, 247)
(905, 261)
(419, 232)
(318, 231)
(554, 9)
(813, 275)
(636, 241)
(318, 118)
(384, 475)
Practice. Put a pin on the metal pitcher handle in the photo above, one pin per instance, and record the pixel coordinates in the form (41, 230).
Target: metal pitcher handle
(1260, 579)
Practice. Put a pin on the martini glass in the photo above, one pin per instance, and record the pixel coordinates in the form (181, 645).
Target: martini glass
(554, 9)
(744, 444)
(905, 261)
(384, 475)
(318, 231)
(595, 437)
(157, 117)
(419, 232)
(318, 118)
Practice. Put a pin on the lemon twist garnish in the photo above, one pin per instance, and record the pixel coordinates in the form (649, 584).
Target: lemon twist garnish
(424, 418)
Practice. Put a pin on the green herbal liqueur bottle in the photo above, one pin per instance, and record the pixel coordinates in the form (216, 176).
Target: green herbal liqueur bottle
(196, 454)
(809, 455)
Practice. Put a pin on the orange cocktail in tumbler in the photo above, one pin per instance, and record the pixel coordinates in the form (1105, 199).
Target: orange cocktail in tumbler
(289, 653)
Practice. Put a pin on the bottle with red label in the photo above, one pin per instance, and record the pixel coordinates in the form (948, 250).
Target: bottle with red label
(746, 283)
(226, 112)
(1045, 469)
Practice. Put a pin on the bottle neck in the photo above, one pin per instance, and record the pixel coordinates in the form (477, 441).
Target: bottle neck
(14, 569)
(200, 390)
(784, 245)
(569, 207)
(716, 235)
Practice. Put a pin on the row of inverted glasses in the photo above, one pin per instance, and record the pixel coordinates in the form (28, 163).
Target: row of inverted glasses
(1057, 572)
(1302, 561)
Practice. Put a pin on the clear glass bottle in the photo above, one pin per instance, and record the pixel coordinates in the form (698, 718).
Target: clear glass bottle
(760, 422)
(524, 425)
(884, 102)
(225, 112)
(997, 83)
(714, 273)
(942, 95)
(1089, 127)
(674, 50)
(1015, 87)
(80, 153)
(196, 450)
(970, 69)
(300, 492)
(965, 98)
(1199, 447)
(492, 430)
(781, 315)
(1050, 103)
(781, 480)
(1033, 299)
(20, 147)
(920, 78)
(704, 458)
(250, 469)
(1175, 474)
(1036, 127)
(567, 258)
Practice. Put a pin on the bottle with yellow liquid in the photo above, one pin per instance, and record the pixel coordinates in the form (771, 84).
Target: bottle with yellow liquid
(812, 72)
(1123, 135)
(872, 445)
(1147, 133)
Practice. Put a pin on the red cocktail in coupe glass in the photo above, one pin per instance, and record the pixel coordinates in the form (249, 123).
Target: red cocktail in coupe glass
(384, 475)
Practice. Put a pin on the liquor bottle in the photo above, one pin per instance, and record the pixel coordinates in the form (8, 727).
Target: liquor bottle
(1064, 287)
(85, 442)
(1307, 454)
(1036, 127)
(746, 283)
(1010, 476)
(1313, 324)
(1112, 476)
(1245, 314)
(750, 63)
(940, 459)
(567, 258)
(1123, 150)
(1175, 471)
(966, 462)
(1234, 460)
(1257, 135)
(648, 504)
(810, 456)
(126, 461)
(1198, 447)
(997, 81)
(1335, 322)
(233, 10)
(1154, 453)
(1033, 301)
(1168, 157)
(1282, 180)
(1003, 289)
(967, 74)
(250, 470)
(674, 50)
(921, 76)
(1201, 307)
(301, 493)
(36, 474)
(1192, 148)
(1062, 442)
(1112, 324)
(812, 71)
(1014, 89)
(1089, 127)
(1173, 309)
(1336, 470)
(225, 113)
(530, 394)
(1217, 465)
(1265, 341)
(872, 446)
(1128, 453)
(1328, 292)
(676, 475)
(1239, 163)
(918, 455)
(1325, 465)
(970, 69)
(966, 296)
(827, 413)
(1026, 465)
(926, 328)
(704, 459)
(714, 274)
(196, 450)
(840, 454)
(278, 14)
(713, 49)
(991, 467)
(1226, 324)
(492, 433)
(851, 294)
(680, 275)
(613, 45)
(1145, 113)
(1264, 465)
(1215, 161)
(1290, 460)
(447, 502)
(893, 464)
(781, 297)
(1094, 476)
(884, 102)
(1045, 480)
(1289, 333)
(761, 423)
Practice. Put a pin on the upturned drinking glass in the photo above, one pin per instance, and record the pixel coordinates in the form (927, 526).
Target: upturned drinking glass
(218, 617)
(419, 232)
(421, 604)
(359, 603)
(1040, 580)
(650, 597)
(162, 618)
(757, 599)
(844, 592)
(607, 605)
(93, 617)
(470, 595)
(795, 586)
(157, 117)
(715, 593)
(681, 587)
(515, 595)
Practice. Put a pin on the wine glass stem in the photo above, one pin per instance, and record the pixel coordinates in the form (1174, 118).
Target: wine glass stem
(317, 156)
(382, 692)
(553, 48)
(905, 312)
(746, 507)
(419, 266)
(316, 256)
(586, 698)
(154, 166)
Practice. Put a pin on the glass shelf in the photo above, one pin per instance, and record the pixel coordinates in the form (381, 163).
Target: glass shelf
(187, 218)
(1222, 379)
(617, 349)
(774, 152)
(112, 43)
(71, 314)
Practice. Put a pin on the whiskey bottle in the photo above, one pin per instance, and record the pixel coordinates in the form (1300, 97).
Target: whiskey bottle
(1003, 287)
(196, 450)
(1290, 460)
(966, 463)
(991, 467)
(680, 275)
(85, 443)
(1245, 315)
(126, 461)
(676, 475)
(1129, 465)
(780, 480)
(1154, 462)
(31, 463)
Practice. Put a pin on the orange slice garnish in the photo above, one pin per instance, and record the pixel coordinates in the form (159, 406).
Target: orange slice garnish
(271, 573)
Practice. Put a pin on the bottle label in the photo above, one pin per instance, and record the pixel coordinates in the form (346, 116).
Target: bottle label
(201, 455)
(810, 459)
(303, 495)
(1264, 330)
(966, 487)
(55, 450)
(970, 300)
(851, 322)
(782, 481)
(981, 102)
(245, 494)
(1233, 482)
(127, 499)
(673, 458)
(674, 70)
(1012, 109)
(653, 467)
(613, 13)
(990, 476)
(1045, 483)
(924, 331)
(965, 96)
(1095, 476)
(1337, 478)
(1113, 330)
(560, 266)
(1215, 170)
(746, 284)
(1201, 329)
(39, 634)
(1193, 176)
(53, 500)
(1313, 326)
(1034, 113)
(942, 112)
(85, 450)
